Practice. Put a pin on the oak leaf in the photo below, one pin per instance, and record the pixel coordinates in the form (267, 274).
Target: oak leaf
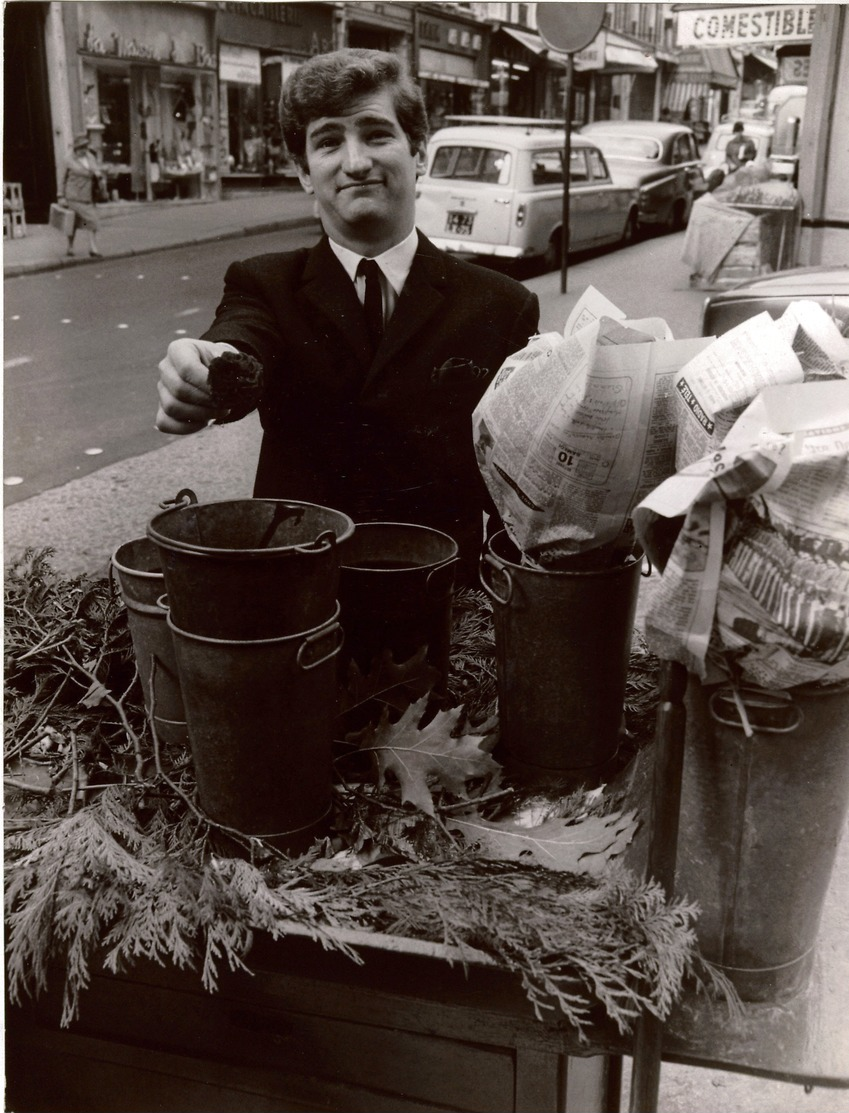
(418, 757)
(558, 844)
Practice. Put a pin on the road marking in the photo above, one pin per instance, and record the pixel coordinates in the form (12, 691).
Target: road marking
(66, 320)
(184, 278)
(18, 361)
(180, 331)
(188, 312)
(15, 317)
(93, 451)
(123, 326)
(139, 276)
(12, 480)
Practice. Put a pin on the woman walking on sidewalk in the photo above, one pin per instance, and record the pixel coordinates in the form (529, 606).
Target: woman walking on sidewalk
(80, 191)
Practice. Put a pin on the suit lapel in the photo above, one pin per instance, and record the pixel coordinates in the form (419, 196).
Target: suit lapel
(326, 286)
(422, 296)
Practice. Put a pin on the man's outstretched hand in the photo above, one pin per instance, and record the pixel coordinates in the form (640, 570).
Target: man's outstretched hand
(185, 400)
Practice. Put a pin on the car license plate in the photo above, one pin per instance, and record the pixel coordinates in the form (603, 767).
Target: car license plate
(460, 224)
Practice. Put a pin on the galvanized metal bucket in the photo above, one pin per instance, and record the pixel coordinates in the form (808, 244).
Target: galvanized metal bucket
(260, 715)
(250, 568)
(562, 645)
(395, 589)
(136, 567)
(761, 819)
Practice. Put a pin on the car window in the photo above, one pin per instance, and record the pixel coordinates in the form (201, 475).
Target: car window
(475, 164)
(598, 166)
(547, 168)
(578, 171)
(682, 150)
(629, 146)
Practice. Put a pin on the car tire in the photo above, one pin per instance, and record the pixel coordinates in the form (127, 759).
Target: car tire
(631, 232)
(678, 221)
(553, 257)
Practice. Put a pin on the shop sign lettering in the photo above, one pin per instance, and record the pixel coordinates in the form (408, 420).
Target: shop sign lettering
(116, 45)
(738, 26)
(279, 13)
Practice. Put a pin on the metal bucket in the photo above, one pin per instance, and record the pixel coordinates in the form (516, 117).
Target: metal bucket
(562, 648)
(260, 716)
(761, 819)
(250, 568)
(137, 569)
(395, 589)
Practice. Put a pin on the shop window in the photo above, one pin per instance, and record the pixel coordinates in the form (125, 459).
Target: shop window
(113, 92)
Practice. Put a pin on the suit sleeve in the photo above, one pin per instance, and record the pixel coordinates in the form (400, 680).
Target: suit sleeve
(244, 317)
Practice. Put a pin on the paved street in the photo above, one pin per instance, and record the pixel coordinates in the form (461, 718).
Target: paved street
(89, 384)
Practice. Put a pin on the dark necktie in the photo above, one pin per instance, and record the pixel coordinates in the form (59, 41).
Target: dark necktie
(373, 304)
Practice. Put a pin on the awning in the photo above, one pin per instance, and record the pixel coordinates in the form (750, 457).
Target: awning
(528, 39)
(714, 65)
(608, 52)
(679, 93)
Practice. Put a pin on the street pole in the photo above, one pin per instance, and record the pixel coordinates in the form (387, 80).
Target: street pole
(567, 163)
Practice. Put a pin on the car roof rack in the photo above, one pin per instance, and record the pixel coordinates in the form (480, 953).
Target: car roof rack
(506, 121)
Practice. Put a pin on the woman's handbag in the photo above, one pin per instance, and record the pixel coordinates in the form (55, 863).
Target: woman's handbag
(62, 219)
(101, 193)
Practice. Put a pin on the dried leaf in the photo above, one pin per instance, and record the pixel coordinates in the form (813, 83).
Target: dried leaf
(417, 756)
(582, 847)
(95, 695)
(393, 683)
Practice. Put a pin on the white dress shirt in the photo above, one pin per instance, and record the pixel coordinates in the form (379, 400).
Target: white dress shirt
(394, 266)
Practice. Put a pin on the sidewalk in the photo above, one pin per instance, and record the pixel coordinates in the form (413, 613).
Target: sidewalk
(137, 227)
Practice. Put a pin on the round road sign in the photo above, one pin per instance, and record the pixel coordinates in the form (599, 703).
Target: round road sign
(569, 27)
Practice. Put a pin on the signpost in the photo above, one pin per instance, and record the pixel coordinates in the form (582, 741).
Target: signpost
(568, 28)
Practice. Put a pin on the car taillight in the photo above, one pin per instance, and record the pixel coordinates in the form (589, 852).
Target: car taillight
(521, 213)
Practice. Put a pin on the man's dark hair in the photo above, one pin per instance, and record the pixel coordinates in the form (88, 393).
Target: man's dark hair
(738, 127)
(328, 83)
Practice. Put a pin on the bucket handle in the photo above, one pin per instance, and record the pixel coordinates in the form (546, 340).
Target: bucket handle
(324, 541)
(184, 497)
(450, 563)
(488, 558)
(311, 639)
(755, 699)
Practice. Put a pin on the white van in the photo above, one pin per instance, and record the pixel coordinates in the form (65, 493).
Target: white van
(497, 189)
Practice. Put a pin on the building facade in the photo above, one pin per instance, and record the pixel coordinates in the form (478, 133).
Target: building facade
(181, 99)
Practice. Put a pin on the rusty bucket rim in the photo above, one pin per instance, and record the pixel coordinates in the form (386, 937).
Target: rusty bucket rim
(248, 643)
(212, 552)
(119, 567)
(635, 556)
(363, 527)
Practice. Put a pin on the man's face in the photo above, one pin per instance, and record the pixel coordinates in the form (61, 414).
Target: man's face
(363, 174)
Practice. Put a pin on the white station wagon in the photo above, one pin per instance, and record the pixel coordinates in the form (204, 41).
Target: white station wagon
(497, 189)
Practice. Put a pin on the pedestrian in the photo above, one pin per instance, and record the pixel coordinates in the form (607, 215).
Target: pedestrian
(82, 187)
(368, 389)
(739, 148)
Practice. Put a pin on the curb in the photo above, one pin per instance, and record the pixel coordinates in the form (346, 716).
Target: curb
(15, 270)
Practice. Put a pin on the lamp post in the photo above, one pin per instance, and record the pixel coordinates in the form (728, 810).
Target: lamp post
(568, 28)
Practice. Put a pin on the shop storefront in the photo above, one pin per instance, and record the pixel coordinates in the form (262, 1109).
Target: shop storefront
(259, 45)
(705, 86)
(147, 96)
(373, 26)
(623, 77)
(452, 64)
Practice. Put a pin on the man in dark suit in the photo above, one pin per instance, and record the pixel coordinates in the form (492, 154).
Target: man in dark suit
(370, 380)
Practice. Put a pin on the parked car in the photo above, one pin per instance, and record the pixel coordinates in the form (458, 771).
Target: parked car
(496, 189)
(828, 285)
(759, 131)
(660, 160)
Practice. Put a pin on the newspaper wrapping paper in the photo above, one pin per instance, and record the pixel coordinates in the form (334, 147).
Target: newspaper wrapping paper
(756, 582)
(717, 385)
(575, 429)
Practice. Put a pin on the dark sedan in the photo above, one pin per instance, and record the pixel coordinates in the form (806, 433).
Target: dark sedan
(827, 285)
(661, 161)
